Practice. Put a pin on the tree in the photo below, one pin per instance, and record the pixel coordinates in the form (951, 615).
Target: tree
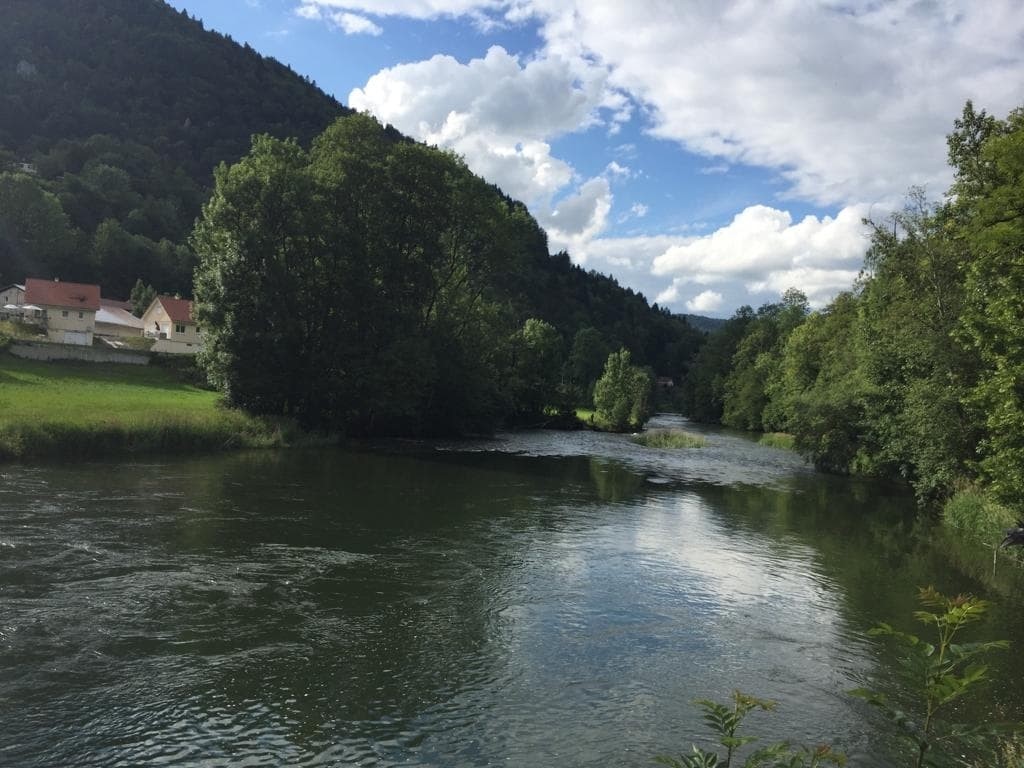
(36, 237)
(141, 297)
(351, 286)
(622, 395)
(585, 365)
(992, 212)
(746, 404)
(536, 351)
(703, 389)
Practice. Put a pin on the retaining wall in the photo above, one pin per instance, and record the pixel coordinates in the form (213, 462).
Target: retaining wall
(38, 350)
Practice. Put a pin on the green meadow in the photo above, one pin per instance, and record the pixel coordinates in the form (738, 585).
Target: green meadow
(90, 410)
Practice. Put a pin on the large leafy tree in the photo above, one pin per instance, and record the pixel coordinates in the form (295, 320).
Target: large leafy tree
(350, 286)
(36, 237)
(622, 396)
(990, 208)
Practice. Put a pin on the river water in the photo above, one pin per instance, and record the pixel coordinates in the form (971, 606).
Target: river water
(540, 599)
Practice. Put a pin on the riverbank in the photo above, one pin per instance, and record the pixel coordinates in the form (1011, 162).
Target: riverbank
(71, 410)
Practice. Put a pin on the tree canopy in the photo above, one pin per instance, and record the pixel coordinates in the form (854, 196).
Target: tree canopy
(917, 372)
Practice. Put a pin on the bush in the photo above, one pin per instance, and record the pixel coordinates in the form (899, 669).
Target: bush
(977, 515)
(670, 438)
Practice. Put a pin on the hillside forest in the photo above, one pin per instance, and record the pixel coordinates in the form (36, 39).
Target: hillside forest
(113, 117)
(917, 371)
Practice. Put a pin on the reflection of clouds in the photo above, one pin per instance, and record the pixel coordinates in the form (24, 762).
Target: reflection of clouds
(737, 569)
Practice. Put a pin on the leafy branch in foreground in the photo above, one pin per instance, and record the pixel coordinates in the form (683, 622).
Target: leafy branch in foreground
(725, 722)
(939, 674)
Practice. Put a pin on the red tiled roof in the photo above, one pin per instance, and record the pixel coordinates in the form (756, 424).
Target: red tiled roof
(55, 293)
(179, 310)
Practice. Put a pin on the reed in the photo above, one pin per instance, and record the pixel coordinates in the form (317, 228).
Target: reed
(670, 438)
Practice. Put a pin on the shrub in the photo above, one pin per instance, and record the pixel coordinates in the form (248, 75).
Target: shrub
(670, 438)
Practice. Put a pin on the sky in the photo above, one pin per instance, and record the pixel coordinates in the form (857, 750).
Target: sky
(708, 153)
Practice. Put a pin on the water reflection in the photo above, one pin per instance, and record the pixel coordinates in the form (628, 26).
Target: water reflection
(542, 599)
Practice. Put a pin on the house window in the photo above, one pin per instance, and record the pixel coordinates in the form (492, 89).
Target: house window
(81, 315)
(179, 327)
(63, 313)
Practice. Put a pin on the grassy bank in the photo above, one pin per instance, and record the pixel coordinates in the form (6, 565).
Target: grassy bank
(87, 410)
(971, 512)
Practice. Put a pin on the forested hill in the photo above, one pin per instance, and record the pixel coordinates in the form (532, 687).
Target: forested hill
(140, 71)
(123, 108)
(113, 115)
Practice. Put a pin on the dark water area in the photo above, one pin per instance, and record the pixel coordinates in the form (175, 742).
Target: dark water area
(541, 599)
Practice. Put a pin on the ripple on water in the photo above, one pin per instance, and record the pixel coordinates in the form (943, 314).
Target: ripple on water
(343, 609)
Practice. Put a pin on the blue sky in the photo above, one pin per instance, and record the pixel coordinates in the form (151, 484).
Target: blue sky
(709, 154)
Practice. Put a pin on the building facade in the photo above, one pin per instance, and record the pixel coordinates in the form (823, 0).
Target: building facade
(68, 310)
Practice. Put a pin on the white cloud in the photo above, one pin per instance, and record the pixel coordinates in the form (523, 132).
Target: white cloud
(639, 210)
(766, 252)
(416, 9)
(579, 218)
(615, 169)
(500, 115)
(711, 170)
(354, 24)
(847, 102)
(706, 301)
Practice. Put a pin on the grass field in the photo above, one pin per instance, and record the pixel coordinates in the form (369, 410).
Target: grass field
(90, 410)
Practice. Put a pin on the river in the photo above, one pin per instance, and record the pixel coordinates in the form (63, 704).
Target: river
(539, 599)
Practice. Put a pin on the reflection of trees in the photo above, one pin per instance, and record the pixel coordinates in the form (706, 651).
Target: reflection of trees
(614, 481)
(352, 652)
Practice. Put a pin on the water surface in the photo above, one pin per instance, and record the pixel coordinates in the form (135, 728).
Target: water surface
(541, 599)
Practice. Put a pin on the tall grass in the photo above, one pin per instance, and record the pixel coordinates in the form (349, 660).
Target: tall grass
(782, 440)
(88, 410)
(972, 512)
(670, 438)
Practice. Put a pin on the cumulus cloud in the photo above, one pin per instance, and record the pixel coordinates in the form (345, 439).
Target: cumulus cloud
(500, 114)
(354, 24)
(764, 250)
(419, 9)
(847, 101)
(705, 301)
(579, 218)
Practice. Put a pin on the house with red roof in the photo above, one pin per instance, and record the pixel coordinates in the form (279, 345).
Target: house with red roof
(68, 310)
(168, 319)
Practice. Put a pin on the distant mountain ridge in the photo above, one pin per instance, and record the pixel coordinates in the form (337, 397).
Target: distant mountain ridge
(705, 324)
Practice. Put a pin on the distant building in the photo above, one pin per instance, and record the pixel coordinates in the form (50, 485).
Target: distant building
(68, 310)
(12, 296)
(114, 319)
(168, 319)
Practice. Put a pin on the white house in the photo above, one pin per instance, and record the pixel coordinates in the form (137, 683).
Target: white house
(68, 310)
(168, 319)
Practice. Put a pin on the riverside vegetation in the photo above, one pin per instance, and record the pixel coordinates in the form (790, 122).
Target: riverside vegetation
(938, 673)
(84, 410)
(915, 372)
